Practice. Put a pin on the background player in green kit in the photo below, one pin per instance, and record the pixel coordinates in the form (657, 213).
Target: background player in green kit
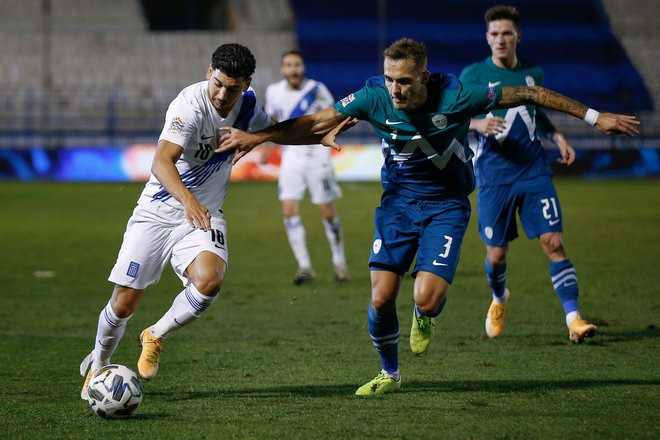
(513, 174)
(423, 121)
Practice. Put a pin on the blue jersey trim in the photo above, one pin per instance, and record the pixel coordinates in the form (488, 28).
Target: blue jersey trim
(304, 103)
(199, 174)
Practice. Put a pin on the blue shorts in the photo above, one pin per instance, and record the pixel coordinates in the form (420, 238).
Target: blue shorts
(536, 202)
(432, 229)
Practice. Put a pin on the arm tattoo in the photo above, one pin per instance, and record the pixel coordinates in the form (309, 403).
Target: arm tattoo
(515, 96)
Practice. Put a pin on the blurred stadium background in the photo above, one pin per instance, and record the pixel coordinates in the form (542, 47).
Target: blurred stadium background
(84, 84)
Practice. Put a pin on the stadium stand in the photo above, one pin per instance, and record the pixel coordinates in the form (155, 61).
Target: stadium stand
(90, 72)
(571, 39)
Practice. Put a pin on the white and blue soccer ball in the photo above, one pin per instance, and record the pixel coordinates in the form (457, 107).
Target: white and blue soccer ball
(115, 392)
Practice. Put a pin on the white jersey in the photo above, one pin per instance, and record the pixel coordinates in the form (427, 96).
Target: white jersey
(191, 122)
(283, 102)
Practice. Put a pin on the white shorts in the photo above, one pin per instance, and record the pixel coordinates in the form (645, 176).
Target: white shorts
(160, 233)
(305, 169)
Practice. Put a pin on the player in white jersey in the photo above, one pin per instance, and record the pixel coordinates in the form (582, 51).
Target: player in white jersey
(179, 213)
(305, 167)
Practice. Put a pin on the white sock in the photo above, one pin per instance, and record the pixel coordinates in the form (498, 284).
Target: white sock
(295, 231)
(502, 300)
(186, 307)
(334, 234)
(108, 334)
(571, 316)
(395, 375)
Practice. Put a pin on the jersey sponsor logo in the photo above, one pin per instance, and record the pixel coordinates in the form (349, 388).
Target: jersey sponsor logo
(440, 121)
(388, 122)
(529, 80)
(491, 85)
(206, 137)
(435, 263)
(377, 245)
(347, 100)
(553, 222)
(133, 269)
(176, 126)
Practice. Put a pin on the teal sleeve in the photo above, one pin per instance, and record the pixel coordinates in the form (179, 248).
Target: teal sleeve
(470, 76)
(479, 99)
(544, 127)
(357, 105)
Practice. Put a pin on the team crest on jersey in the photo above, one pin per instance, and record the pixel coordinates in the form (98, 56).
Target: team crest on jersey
(133, 269)
(529, 81)
(177, 125)
(347, 100)
(440, 121)
(377, 244)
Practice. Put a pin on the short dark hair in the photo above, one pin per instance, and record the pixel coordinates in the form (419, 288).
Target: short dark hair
(234, 60)
(293, 52)
(408, 48)
(503, 12)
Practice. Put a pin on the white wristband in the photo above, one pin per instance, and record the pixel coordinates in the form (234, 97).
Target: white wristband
(591, 117)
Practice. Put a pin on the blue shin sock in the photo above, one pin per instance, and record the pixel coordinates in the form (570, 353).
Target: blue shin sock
(384, 331)
(564, 280)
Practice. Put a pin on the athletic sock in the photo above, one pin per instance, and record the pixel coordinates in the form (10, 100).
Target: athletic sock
(564, 280)
(186, 307)
(295, 232)
(333, 232)
(419, 313)
(109, 332)
(384, 331)
(572, 316)
(496, 276)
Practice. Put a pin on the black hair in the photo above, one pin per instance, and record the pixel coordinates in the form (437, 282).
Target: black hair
(234, 60)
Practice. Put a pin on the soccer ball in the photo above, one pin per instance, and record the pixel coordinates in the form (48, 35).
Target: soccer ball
(114, 392)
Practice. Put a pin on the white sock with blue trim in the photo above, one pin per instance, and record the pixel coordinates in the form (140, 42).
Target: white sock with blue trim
(186, 307)
(109, 332)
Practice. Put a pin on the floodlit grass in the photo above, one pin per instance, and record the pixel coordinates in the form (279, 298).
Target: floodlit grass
(273, 360)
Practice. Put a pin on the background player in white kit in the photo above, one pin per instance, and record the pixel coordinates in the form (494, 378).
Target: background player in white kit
(305, 167)
(179, 213)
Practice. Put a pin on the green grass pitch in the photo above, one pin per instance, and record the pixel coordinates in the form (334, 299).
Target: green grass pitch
(271, 360)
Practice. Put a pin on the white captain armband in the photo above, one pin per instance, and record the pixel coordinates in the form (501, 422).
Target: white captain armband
(591, 117)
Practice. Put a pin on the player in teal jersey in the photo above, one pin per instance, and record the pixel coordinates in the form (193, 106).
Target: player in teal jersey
(513, 174)
(423, 122)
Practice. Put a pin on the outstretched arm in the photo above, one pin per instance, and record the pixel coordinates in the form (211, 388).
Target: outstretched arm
(608, 123)
(316, 128)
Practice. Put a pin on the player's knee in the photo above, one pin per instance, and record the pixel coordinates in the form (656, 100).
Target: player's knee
(429, 304)
(384, 289)
(496, 256)
(553, 245)
(125, 300)
(382, 301)
(382, 304)
(209, 282)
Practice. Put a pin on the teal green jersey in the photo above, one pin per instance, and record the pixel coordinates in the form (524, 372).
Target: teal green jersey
(517, 153)
(426, 150)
